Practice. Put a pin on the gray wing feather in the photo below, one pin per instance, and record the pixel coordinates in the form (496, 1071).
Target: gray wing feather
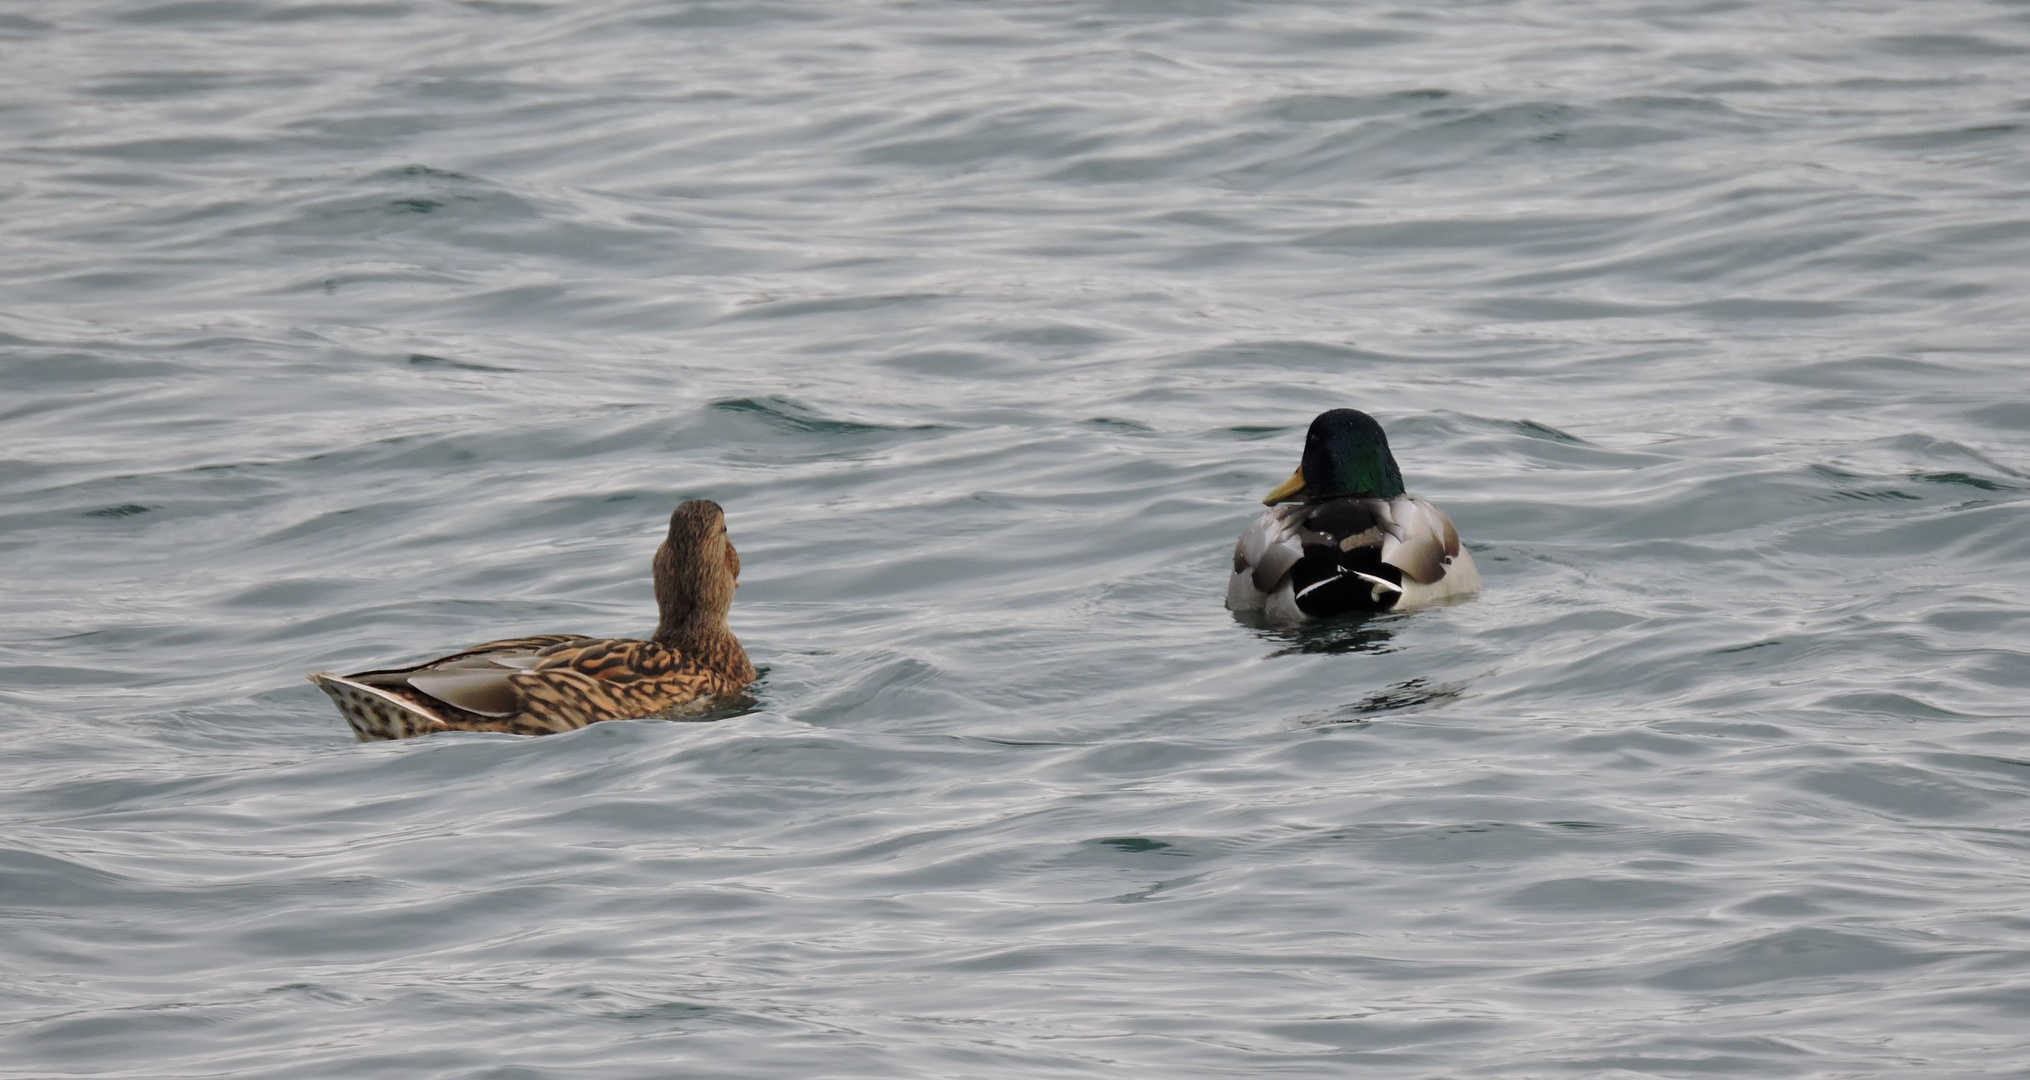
(487, 693)
(478, 682)
(1270, 547)
(1444, 527)
(1422, 542)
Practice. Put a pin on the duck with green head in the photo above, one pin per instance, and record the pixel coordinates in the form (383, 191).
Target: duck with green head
(1342, 536)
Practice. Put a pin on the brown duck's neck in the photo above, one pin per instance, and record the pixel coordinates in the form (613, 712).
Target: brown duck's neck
(708, 642)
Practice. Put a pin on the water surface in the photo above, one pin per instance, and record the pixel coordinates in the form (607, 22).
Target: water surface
(342, 334)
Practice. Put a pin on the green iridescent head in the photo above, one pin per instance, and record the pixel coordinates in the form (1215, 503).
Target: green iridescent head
(1345, 453)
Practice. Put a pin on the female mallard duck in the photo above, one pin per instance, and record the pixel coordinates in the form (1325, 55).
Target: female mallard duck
(1340, 535)
(561, 682)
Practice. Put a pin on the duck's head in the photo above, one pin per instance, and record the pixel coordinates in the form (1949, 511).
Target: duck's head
(1345, 453)
(696, 569)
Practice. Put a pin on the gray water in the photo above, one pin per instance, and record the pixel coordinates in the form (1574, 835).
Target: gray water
(338, 335)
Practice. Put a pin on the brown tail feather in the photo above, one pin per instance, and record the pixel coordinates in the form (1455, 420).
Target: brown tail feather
(375, 713)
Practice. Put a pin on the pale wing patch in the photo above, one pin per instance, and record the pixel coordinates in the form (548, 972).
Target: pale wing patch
(479, 683)
(1441, 526)
(1370, 538)
(1388, 517)
(1417, 545)
(1271, 546)
(476, 690)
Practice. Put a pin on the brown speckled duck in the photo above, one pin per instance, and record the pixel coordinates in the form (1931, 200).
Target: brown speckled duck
(560, 682)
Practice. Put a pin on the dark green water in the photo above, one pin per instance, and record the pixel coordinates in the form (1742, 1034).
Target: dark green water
(334, 335)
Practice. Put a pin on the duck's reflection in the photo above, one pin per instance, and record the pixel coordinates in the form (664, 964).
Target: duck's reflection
(1353, 634)
(1371, 634)
(1408, 695)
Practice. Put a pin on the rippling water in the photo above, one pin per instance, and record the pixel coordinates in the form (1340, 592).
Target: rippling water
(342, 334)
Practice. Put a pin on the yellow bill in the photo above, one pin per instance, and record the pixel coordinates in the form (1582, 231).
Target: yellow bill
(1287, 489)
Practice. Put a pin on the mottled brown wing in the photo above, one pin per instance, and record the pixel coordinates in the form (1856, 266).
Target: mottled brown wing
(607, 679)
(533, 644)
(474, 680)
(504, 647)
(609, 659)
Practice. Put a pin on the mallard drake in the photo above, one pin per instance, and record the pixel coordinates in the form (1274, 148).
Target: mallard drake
(561, 682)
(1341, 536)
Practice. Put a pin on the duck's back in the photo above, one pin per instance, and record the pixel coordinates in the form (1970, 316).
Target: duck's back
(1314, 560)
(532, 686)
